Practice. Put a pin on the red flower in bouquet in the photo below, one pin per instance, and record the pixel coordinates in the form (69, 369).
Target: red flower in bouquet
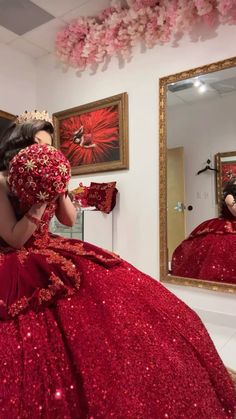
(38, 173)
(92, 137)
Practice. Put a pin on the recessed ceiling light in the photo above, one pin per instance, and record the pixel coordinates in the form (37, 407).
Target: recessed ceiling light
(197, 83)
(202, 88)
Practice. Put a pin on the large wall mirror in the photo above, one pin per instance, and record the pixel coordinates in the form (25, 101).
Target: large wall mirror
(197, 159)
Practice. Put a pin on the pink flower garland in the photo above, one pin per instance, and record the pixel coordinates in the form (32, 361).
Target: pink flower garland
(115, 31)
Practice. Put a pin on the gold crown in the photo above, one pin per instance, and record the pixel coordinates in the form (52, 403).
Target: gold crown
(33, 116)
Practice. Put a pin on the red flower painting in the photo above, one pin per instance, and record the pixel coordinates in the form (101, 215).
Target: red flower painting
(91, 137)
(94, 137)
(228, 170)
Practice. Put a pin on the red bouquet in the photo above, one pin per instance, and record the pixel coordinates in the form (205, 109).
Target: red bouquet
(38, 173)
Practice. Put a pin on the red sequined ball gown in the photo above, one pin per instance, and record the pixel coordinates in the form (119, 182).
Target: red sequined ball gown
(209, 252)
(83, 334)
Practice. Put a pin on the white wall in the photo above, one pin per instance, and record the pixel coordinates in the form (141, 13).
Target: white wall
(136, 233)
(17, 81)
(135, 217)
(203, 128)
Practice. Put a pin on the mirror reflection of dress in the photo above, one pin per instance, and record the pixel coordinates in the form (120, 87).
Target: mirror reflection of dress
(209, 251)
(86, 335)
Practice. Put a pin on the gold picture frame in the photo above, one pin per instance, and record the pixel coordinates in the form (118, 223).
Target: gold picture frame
(224, 162)
(94, 137)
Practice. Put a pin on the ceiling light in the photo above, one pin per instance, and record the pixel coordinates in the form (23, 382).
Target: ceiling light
(202, 88)
(197, 83)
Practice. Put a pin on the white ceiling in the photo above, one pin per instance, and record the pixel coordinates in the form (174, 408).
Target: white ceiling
(41, 40)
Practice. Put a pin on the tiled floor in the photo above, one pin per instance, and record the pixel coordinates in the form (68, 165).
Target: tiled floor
(224, 339)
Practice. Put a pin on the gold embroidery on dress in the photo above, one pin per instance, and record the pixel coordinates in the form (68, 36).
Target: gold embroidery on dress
(15, 308)
(78, 249)
(43, 295)
(2, 257)
(22, 255)
(65, 264)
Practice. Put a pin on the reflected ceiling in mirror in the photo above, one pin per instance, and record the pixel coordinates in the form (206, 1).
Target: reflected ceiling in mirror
(211, 86)
(197, 123)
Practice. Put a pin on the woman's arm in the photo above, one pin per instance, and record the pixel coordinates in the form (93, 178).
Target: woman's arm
(65, 211)
(13, 232)
(231, 204)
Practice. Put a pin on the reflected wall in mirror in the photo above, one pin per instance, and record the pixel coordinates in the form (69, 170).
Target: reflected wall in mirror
(197, 156)
(5, 120)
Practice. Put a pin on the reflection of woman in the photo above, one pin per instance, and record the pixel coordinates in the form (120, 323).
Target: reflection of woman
(83, 334)
(209, 252)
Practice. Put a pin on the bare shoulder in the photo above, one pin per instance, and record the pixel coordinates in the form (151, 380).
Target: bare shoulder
(229, 200)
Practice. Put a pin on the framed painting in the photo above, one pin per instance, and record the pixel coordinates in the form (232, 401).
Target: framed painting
(5, 120)
(226, 170)
(94, 137)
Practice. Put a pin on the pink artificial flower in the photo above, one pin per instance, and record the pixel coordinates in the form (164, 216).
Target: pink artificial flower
(90, 40)
(225, 6)
(141, 4)
(211, 18)
(203, 6)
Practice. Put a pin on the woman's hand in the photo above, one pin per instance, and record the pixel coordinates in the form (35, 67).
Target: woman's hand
(65, 211)
(16, 233)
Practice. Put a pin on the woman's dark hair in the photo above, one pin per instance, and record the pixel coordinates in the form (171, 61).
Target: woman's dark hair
(19, 136)
(229, 189)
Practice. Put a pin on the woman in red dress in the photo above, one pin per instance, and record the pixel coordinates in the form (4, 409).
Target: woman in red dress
(84, 334)
(208, 253)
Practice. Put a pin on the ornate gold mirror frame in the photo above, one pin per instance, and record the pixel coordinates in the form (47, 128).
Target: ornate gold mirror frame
(4, 118)
(164, 81)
